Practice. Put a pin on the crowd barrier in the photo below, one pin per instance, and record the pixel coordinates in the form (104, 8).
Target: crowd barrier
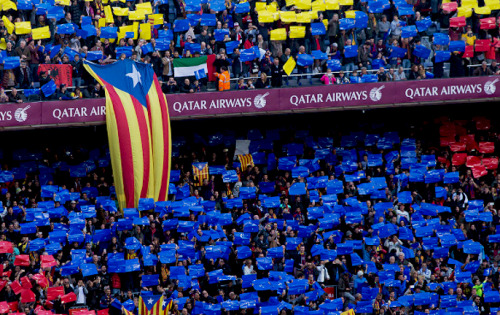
(265, 101)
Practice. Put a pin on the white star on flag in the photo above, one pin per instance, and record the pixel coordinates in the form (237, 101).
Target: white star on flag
(164, 303)
(135, 76)
(150, 301)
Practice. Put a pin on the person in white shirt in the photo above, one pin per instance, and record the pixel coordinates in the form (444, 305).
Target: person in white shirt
(248, 269)
(81, 293)
(400, 75)
(425, 272)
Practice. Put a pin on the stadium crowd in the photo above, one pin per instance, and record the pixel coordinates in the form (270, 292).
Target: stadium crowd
(394, 222)
(254, 41)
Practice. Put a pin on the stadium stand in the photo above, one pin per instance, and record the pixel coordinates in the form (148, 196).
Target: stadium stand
(371, 213)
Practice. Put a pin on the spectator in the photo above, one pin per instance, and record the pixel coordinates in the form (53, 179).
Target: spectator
(400, 74)
(494, 67)
(62, 93)
(25, 76)
(23, 51)
(262, 82)
(383, 28)
(266, 63)
(484, 70)
(381, 75)
(250, 84)
(97, 91)
(81, 293)
(342, 78)
(170, 86)
(16, 97)
(277, 74)
(187, 87)
(3, 97)
(328, 77)
(241, 85)
(238, 67)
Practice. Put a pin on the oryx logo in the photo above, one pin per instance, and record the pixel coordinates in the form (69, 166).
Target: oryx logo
(490, 87)
(375, 94)
(260, 100)
(20, 114)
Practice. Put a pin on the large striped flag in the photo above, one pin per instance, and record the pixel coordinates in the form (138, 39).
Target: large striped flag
(138, 130)
(167, 306)
(200, 173)
(151, 305)
(245, 160)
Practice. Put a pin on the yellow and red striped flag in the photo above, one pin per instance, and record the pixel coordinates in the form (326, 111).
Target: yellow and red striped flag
(168, 306)
(138, 130)
(245, 160)
(151, 305)
(200, 173)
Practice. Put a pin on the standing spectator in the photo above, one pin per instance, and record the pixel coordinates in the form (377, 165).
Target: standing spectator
(276, 73)
(77, 66)
(81, 293)
(23, 51)
(25, 78)
(383, 28)
(237, 65)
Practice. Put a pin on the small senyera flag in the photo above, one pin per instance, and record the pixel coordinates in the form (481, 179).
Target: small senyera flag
(245, 160)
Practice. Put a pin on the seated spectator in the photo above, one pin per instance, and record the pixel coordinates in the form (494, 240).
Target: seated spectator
(328, 77)
(421, 73)
(250, 84)
(381, 75)
(342, 79)
(494, 67)
(187, 87)
(414, 75)
(62, 93)
(76, 94)
(16, 97)
(484, 70)
(391, 76)
(96, 91)
(400, 75)
(262, 82)
(197, 86)
(170, 86)
(3, 97)
(241, 84)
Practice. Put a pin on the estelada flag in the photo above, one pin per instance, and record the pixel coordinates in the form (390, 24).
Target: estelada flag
(151, 305)
(200, 173)
(138, 129)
